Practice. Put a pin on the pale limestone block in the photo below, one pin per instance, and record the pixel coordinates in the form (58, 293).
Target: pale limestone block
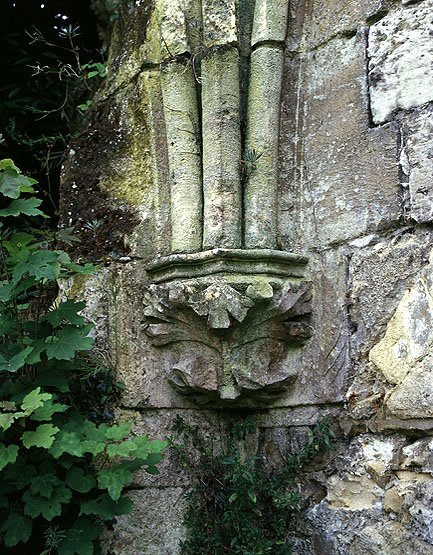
(393, 500)
(173, 27)
(419, 132)
(270, 21)
(221, 150)
(413, 397)
(401, 57)
(419, 455)
(409, 335)
(389, 538)
(262, 145)
(347, 178)
(353, 492)
(183, 140)
(219, 22)
(379, 276)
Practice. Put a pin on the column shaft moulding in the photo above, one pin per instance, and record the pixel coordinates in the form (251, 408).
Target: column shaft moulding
(225, 309)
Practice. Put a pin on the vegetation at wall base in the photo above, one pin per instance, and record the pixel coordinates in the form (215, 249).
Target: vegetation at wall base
(63, 468)
(238, 504)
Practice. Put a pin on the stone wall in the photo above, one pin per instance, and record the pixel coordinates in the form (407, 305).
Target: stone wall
(351, 162)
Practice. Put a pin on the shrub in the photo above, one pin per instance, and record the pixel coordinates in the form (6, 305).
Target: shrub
(52, 494)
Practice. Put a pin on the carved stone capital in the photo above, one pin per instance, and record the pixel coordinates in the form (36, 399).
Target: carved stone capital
(230, 333)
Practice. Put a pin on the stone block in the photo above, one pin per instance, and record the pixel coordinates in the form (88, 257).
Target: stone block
(418, 131)
(404, 355)
(379, 274)
(400, 49)
(270, 21)
(338, 194)
(325, 19)
(154, 527)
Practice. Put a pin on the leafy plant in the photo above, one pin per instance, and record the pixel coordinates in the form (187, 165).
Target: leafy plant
(52, 493)
(238, 505)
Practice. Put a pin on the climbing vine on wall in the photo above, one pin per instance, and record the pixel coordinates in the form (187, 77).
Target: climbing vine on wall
(239, 505)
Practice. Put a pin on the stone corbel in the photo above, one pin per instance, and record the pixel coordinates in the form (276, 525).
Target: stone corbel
(229, 319)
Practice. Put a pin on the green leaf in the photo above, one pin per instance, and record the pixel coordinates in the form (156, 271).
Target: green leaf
(13, 183)
(79, 481)
(19, 474)
(6, 420)
(16, 362)
(156, 445)
(80, 538)
(47, 410)
(65, 235)
(34, 400)
(34, 505)
(53, 378)
(124, 449)
(67, 342)
(6, 291)
(41, 264)
(77, 437)
(154, 458)
(233, 497)
(44, 485)
(38, 347)
(105, 508)
(28, 206)
(152, 470)
(8, 405)
(7, 454)
(66, 311)
(8, 163)
(114, 479)
(252, 496)
(17, 529)
(118, 432)
(42, 437)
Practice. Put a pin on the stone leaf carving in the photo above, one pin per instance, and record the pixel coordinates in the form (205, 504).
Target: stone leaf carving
(229, 336)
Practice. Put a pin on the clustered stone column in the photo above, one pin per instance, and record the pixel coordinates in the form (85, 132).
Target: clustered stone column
(205, 132)
(225, 300)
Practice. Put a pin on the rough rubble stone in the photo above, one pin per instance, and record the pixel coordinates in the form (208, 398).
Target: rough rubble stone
(400, 49)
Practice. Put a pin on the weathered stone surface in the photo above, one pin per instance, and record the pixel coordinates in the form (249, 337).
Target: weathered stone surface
(380, 272)
(270, 21)
(325, 19)
(336, 158)
(222, 217)
(340, 200)
(238, 326)
(391, 538)
(183, 140)
(404, 354)
(158, 424)
(109, 188)
(260, 196)
(155, 526)
(401, 55)
(418, 130)
(219, 22)
(419, 455)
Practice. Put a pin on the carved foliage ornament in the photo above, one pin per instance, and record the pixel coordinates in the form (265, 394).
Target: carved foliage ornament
(230, 335)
